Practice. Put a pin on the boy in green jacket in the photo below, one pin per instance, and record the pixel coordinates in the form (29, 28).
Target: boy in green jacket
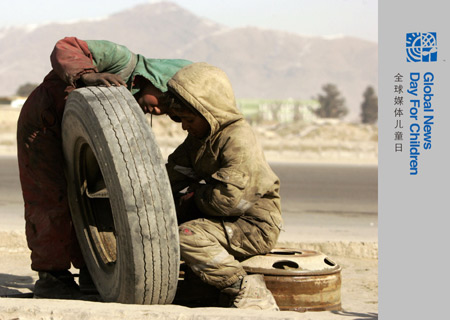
(227, 195)
(76, 63)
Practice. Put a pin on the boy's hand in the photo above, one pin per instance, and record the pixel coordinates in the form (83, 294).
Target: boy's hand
(107, 79)
(185, 198)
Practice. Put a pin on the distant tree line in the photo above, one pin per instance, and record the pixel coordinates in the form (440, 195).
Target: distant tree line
(332, 104)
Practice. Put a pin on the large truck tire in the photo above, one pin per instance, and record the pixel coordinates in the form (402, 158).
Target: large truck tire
(120, 197)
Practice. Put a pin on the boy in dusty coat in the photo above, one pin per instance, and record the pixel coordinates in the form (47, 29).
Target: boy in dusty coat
(231, 208)
(75, 63)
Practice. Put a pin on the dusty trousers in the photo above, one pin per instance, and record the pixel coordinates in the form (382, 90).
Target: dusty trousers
(48, 224)
(206, 249)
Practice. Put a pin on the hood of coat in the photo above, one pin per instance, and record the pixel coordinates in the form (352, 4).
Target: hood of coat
(207, 89)
(157, 71)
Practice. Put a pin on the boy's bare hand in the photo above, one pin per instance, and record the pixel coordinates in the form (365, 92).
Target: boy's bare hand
(186, 197)
(107, 79)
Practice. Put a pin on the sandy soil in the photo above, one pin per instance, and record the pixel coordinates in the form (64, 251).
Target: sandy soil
(325, 142)
(359, 289)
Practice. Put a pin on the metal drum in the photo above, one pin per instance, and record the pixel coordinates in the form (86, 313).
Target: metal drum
(300, 280)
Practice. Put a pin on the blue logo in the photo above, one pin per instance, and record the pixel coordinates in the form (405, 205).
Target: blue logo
(421, 47)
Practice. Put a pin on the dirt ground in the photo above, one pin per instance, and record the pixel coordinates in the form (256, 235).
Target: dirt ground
(333, 142)
(359, 290)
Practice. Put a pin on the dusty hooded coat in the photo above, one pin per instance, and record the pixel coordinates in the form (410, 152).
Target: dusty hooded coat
(241, 189)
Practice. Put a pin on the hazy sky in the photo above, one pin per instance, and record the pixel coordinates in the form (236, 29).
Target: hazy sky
(358, 18)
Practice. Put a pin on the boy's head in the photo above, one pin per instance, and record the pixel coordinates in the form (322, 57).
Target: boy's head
(150, 98)
(208, 90)
(191, 120)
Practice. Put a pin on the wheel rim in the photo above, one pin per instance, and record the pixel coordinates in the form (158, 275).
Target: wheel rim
(96, 212)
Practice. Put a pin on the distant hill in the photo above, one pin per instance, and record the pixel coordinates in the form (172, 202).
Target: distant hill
(261, 63)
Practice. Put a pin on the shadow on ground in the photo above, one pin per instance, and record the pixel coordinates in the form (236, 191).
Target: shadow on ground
(12, 285)
(357, 315)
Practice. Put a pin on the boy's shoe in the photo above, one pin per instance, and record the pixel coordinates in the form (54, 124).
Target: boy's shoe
(56, 285)
(254, 294)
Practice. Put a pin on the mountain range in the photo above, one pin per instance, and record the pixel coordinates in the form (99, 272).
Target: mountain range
(261, 63)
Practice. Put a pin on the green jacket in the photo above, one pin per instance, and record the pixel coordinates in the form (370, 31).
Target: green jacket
(241, 189)
(117, 59)
(73, 57)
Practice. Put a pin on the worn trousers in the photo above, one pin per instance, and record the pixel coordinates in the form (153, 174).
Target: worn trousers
(206, 249)
(48, 224)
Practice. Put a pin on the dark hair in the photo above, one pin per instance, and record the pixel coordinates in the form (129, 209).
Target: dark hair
(166, 99)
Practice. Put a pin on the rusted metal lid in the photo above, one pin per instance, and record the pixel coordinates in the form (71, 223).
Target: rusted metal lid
(290, 262)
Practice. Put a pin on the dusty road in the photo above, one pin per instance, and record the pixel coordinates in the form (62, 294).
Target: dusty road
(328, 187)
(323, 202)
(315, 197)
